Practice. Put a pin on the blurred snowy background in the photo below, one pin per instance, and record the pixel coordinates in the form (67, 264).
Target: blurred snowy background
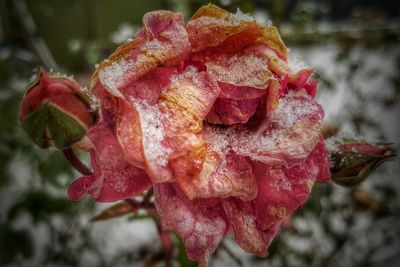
(355, 50)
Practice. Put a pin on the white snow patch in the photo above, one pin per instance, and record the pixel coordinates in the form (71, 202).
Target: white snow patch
(152, 132)
(110, 75)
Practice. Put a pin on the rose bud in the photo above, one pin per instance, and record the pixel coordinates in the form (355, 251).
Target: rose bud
(55, 111)
(352, 161)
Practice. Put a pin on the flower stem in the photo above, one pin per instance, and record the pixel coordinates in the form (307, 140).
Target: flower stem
(76, 162)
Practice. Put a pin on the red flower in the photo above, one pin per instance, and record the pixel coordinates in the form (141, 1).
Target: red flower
(210, 114)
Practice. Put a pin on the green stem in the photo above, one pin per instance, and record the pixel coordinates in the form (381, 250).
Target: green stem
(76, 162)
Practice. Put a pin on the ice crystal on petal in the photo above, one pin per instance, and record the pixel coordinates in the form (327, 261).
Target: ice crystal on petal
(110, 75)
(290, 117)
(296, 64)
(239, 16)
(189, 73)
(153, 132)
(290, 110)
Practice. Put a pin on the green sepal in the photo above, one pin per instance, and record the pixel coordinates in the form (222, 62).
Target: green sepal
(49, 125)
(350, 168)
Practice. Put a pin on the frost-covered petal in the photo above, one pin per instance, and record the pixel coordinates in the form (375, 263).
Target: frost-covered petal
(222, 176)
(275, 62)
(185, 103)
(162, 41)
(284, 190)
(291, 134)
(245, 69)
(198, 223)
(114, 178)
(212, 27)
(156, 151)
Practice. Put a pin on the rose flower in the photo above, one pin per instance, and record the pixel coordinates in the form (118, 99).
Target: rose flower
(211, 115)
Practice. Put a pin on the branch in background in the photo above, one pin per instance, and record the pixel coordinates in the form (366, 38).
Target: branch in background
(35, 40)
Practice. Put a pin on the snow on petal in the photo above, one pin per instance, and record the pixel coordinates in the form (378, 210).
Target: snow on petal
(186, 102)
(193, 91)
(275, 63)
(155, 151)
(213, 27)
(114, 178)
(292, 133)
(162, 41)
(199, 223)
(284, 190)
(241, 69)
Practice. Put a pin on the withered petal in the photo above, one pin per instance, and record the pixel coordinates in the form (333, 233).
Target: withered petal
(162, 41)
(114, 178)
(200, 224)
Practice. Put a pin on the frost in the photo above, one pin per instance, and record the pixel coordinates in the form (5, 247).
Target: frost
(117, 180)
(190, 71)
(239, 16)
(291, 111)
(154, 44)
(94, 102)
(249, 220)
(152, 132)
(246, 70)
(282, 184)
(110, 75)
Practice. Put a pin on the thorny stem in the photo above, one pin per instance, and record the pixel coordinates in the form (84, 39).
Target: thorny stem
(76, 162)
